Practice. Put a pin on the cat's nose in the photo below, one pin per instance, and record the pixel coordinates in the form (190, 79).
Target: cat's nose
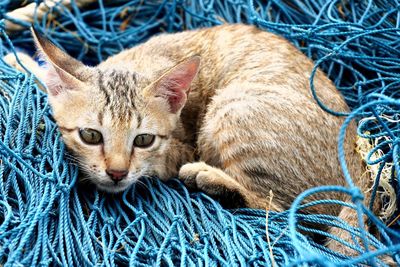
(117, 175)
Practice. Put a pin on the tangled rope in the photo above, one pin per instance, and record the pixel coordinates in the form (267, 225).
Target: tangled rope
(46, 218)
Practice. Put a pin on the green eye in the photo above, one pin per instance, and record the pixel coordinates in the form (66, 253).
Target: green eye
(90, 136)
(143, 140)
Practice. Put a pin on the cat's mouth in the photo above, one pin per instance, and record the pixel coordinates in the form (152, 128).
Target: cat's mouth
(110, 186)
(114, 188)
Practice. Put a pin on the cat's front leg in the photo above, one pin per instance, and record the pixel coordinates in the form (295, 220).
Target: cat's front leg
(218, 184)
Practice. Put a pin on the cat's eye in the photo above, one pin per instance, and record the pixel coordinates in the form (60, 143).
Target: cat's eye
(90, 136)
(144, 140)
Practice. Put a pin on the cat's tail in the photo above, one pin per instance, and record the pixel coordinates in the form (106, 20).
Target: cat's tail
(349, 235)
(351, 242)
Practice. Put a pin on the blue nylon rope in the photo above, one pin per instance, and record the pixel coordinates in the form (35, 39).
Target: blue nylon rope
(46, 218)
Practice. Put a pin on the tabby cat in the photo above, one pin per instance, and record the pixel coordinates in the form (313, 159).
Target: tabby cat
(228, 109)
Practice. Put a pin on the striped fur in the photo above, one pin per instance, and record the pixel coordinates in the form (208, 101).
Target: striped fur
(249, 121)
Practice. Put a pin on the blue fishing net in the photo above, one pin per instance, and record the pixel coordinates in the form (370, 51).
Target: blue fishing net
(47, 218)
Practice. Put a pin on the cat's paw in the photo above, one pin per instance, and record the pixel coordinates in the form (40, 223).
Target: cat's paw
(202, 176)
(216, 183)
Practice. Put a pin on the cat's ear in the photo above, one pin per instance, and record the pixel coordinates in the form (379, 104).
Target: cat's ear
(174, 85)
(64, 72)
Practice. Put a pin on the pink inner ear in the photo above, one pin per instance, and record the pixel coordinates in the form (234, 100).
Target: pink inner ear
(175, 85)
(53, 81)
(57, 80)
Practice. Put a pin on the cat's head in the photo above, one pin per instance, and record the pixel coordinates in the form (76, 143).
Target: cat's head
(117, 122)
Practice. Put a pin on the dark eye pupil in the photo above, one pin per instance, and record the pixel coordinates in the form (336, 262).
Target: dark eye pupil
(90, 136)
(143, 140)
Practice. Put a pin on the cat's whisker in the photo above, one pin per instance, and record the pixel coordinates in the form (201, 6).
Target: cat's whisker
(143, 184)
(85, 179)
(75, 160)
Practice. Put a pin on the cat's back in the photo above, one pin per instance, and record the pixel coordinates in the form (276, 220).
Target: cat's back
(230, 52)
(225, 50)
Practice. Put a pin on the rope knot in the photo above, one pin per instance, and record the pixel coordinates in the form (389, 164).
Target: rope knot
(205, 235)
(140, 214)
(177, 218)
(310, 34)
(253, 18)
(103, 40)
(228, 228)
(109, 221)
(50, 177)
(63, 188)
(335, 51)
(152, 253)
(356, 195)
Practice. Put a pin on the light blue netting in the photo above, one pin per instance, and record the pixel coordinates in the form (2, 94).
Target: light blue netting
(46, 219)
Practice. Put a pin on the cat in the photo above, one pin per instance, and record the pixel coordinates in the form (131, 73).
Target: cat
(227, 109)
